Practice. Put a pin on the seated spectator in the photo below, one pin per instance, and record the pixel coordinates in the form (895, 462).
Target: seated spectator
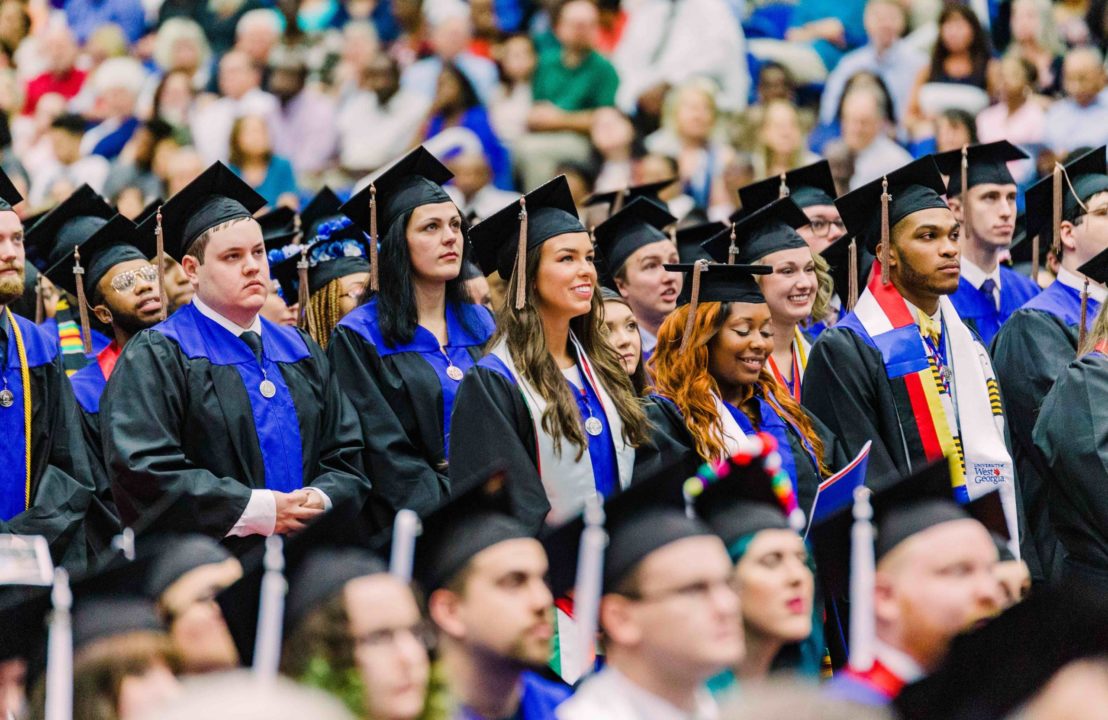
(174, 100)
(513, 96)
(1035, 40)
(780, 141)
(149, 148)
(885, 55)
(581, 179)
(656, 167)
(116, 84)
(240, 87)
(1018, 117)
(1080, 119)
(182, 168)
(450, 39)
(15, 25)
(180, 45)
(954, 130)
(865, 133)
(614, 145)
(106, 42)
(86, 16)
(819, 33)
(456, 105)
(60, 51)
(472, 190)
(31, 135)
(304, 124)
(691, 132)
(571, 81)
(379, 119)
(413, 42)
(666, 42)
(774, 82)
(72, 168)
(252, 158)
(257, 33)
(360, 47)
(960, 57)
(129, 201)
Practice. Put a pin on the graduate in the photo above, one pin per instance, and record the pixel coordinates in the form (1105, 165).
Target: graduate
(1040, 339)
(624, 337)
(768, 236)
(689, 239)
(931, 576)
(903, 370)
(119, 285)
(45, 478)
(551, 393)
(484, 577)
(242, 417)
(982, 194)
(401, 355)
(1073, 444)
(635, 250)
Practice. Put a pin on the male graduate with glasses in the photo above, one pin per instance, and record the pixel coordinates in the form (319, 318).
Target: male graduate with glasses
(241, 416)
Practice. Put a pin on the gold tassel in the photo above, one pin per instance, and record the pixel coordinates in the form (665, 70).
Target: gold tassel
(965, 192)
(886, 198)
(733, 248)
(852, 280)
(1056, 219)
(617, 204)
(373, 277)
(159, 236)
(40, 302)
(694, 299)
(783, 188)
(79, 273)
(521, 257)
(1084, 316)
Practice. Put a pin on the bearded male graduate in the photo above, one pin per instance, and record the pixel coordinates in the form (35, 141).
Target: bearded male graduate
(988, 292)
(239, 415)
(1040, 339)
(903, 370)
(45, 485)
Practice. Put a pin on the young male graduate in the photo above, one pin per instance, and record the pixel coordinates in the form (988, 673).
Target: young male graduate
(45, 483)
(484, 576)
(635, 251)
(1040, 339)
(982, 194)
(933, 578)
(668, 611)
(241, 416)
(120, 286)
(903, 370)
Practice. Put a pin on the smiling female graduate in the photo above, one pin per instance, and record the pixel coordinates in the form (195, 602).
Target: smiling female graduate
(550, 398)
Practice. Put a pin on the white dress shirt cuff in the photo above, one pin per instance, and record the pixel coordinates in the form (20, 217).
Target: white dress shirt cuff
(259, 517)
(323, 496)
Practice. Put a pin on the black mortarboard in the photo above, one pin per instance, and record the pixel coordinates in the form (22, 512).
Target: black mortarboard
(217, 196)
(326, 204)
(414, 180)
(988, 673)
(497, 239)
(339, 250)
(761, 232)
(914, 187)
(616, 199)
(103, 616)
(690, 238)
(27, 609)
(985, 163)
(177, 555)
(645, 517)
(810, 185)
(638, 224)
(116, 241)
(742, 503)
(9, 196)
(149, 211)
(1097, 268)
(1021, 247)
(478, 517)
(69, 224)
(722, 283)
(1086, 174)
(278, 227)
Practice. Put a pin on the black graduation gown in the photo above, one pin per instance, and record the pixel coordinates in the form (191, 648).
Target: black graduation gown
(60, 484)
(1072, 434)
(403, 398)
(181, 413)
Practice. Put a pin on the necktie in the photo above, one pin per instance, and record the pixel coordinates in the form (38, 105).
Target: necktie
(929, 328)
(989, 288)
(254, 341)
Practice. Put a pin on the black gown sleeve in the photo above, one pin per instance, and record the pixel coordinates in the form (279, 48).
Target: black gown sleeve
(670, 448)
(102, 522)
(400, 473)
(141, 422)
(491, 424)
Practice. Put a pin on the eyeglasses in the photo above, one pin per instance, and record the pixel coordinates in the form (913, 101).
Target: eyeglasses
(125, 281)
(821, 227)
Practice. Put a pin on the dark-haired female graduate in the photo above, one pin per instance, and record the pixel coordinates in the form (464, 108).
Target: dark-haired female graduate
(550, 399)
(241, 417)
(401, 356)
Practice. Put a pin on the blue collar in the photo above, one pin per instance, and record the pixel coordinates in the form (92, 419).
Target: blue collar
(201, 337)
(364, 321)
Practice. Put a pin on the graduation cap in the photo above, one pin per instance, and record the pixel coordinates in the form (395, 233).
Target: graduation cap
(338, 250)
(637, 225)
(615, 199)
(848, 273)
(1096, 270)
(325, 204)
(414, 180)
(149, 211)
(9, 196)
(116, 241)
(982, 164)
(871, 211)
(502, 240)
(477, 518)
(756, 234)
(280, 227)
(806, 186)
(690, 238)
(715, 282)
(177, 555)
(747, 500)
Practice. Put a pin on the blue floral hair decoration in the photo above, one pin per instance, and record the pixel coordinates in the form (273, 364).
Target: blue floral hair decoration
(336, 239)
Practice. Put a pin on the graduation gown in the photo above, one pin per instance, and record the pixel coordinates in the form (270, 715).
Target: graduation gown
(1072, 434)
(538, 699)
(182, 416)
(102, 522)
(978, 310)
(875, 687)
(1029, 353)
(404, 397)
(57, 480)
